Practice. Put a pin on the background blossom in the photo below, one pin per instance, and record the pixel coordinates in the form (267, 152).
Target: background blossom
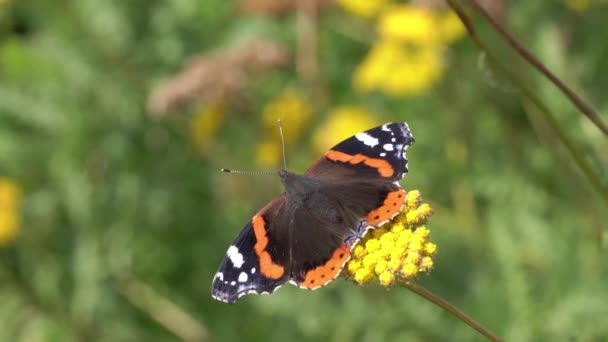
(363, 8)
(407, 58)
(295, 113)
(10, 203)
(578, 5)
(204, 124)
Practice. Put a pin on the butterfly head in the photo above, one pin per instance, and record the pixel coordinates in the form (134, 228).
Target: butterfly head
(297, 184)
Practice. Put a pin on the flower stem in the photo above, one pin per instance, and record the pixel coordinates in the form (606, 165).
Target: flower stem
(584, 107)
(162, 310)
(577, 156)
(442, 303)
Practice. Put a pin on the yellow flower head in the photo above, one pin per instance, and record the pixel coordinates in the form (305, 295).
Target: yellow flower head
(396, 252)
(10, 202)
(294, 111)
(363, 8)
(578, 5)
(410, 23)
(408, 58)
(204, 124)
(398, 70)
(342, 123)
(451, 27)
(268, 153)
(420, 26)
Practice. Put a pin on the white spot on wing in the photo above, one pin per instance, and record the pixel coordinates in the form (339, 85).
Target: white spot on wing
(385, 128)
(233, 283)
(252, 270)
(243, 277)
(234, 256)
(388, 147)
(367, 139)
(220, 276)
(383, 154)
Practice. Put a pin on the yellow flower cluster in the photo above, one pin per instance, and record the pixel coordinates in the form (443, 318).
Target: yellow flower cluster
(342, 122)
(10, 201)
(396, 252)
(363, 8)
(408, 57)
(294, 111)
(204, 124)
(578, 5)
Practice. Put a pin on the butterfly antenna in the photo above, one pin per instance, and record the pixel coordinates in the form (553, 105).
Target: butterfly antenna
(282, 143)
(250, 172)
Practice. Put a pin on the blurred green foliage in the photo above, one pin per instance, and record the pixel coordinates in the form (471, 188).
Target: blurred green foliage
(125, 218)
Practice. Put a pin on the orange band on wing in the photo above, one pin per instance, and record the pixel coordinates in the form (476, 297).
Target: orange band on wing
(325, 273)
(268, 268)
(384, 168)
(391, 207)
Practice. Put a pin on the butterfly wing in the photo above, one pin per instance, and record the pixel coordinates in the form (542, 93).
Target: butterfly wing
(253, 263)
(378, 153)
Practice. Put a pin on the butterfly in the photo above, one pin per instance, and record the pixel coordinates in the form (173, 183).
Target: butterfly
(305, 236)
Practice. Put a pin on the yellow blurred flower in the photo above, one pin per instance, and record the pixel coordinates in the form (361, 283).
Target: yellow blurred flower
(418, 72)
(397, 70)
(396, 252)
(409, 23)
(268, 153)
(578, 5)
(10, 202)
(204, 124)
(420, 25)
(342, 122)
(293, 110)
(371, 73)
(408, 57)
(451, 27)
(364, 8)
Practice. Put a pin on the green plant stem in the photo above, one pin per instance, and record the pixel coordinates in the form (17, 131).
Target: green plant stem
(15, 280)
(442, 303)
(529, 57)
(162, 310)
(569, 144)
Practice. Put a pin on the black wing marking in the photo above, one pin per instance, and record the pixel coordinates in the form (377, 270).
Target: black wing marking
(240, 272)
(379, 152)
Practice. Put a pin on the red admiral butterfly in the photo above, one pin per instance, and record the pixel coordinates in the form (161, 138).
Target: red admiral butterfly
(305, 236)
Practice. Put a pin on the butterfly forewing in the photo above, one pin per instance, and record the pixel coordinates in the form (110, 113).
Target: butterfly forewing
(378, 153)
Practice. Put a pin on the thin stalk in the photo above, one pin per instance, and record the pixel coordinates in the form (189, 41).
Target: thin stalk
(162, 310)
(15, 280)
(445, 305)
(569, 144)
(584, 107)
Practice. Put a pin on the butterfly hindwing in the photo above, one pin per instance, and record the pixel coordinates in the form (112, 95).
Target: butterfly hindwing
(248, 266)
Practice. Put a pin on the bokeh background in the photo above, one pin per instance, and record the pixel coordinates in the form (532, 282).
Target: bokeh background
(116, 116)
